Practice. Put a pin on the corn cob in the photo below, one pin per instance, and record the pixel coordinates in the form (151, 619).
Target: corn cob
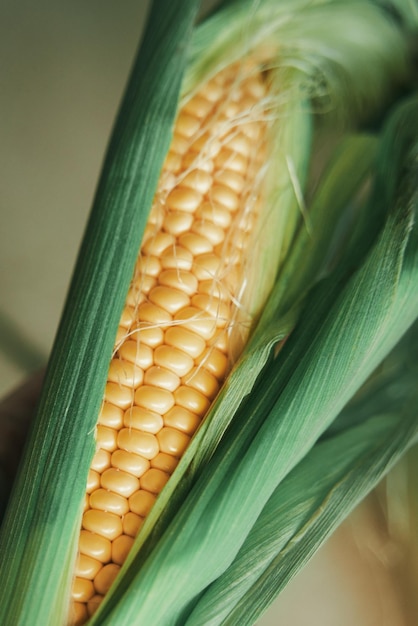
(183, 323)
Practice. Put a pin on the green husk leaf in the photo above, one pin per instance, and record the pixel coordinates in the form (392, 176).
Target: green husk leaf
(38, 540)
(319, 492)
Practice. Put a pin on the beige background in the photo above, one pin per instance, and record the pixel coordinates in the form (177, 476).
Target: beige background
(63, 69)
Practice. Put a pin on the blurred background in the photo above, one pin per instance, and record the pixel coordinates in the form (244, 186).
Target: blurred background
(63, 71)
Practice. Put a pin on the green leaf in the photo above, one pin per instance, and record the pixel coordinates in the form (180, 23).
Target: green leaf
(319, 492)
(38, 540)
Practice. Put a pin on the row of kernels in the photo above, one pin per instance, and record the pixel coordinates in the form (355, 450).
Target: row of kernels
(177, 355)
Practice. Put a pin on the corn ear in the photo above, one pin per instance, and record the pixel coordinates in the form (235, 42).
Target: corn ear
(303, 56)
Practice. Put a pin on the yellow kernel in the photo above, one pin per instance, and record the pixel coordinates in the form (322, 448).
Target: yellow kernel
(157, 210)
(177, 257)
(140, 287)
(149, 265)
(138, 353)
(174, 360)
(119, 395)
(142, 419)
(197, 321)
(196, 244)
(150, 336)
(227, 159)
(129, 462)
(216, 213)
(86, 567)
(86, 504)
(121, 334)
(158, 243)
(252, 130)
(149, 233)
(132, 523)
(220, 194)
(192, 400)
(78, 613)
(206, 266)
(82, 590)
(121, 548)
(230, 109)
(172, 300)
(159, 400)
(142, 502)
(255, 87)
(179, 279)
(187, 125)
(206, 145)
(111, 416)
(240, 144)
(214, 234)
(199, 180)
(216, 308)
(203, 381)
(179, 144)
(93, 481)
(221, 341)
(212, 91)
(106, 438)
(104, 500)
(173, 441)
(154, 480)
(165, 462)
(214, 289)
(183, 199)
(105, 578)
(177, 222)
(199, 159)
(162, 378)
(128, 317)
(185, 340)
(108, 525)
(101, 461)
(153, 314)
(138, 442)
(94, 603)
(182, 419)
(172, 162)
(198, 107)
(232, 276)
(215, 361)
(125, 373)
(95, 546)
(231, 179)
(119, 482)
